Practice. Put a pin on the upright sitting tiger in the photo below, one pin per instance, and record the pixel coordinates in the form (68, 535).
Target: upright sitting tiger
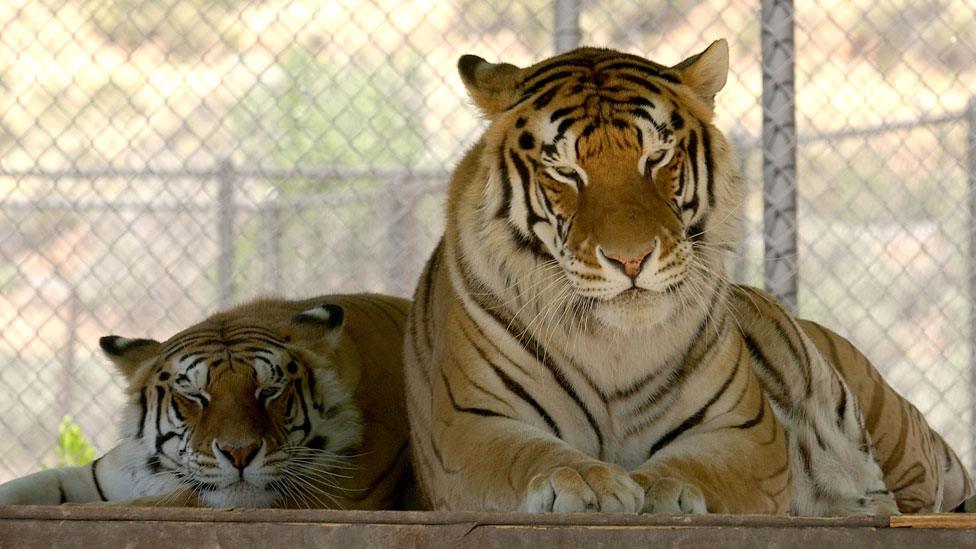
(270, 404)
(574, 344)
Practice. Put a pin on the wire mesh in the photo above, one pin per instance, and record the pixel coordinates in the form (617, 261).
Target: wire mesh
(160, 159)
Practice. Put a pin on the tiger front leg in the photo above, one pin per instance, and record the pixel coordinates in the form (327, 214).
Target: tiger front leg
(105, 482)
(99, 481)
(502, 464)
(494, 458)
(48, 488)
(726, 470)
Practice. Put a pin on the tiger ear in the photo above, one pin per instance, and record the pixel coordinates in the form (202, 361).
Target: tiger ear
(319, 325)
(492, 86)
(128, 354)
(706, 72)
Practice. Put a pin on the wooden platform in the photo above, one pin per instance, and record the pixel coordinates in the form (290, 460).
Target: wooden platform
(89, 527)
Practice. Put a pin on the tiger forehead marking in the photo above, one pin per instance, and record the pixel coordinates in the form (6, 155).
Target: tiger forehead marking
(231, 336)
(259, 368)
(247, 357)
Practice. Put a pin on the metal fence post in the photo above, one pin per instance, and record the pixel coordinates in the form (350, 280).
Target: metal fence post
(225, 231)
(780, 266)
(971, 270)
(566, 29)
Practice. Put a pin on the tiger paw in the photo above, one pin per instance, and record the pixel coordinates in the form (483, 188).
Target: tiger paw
(584, 488)
(670, 496)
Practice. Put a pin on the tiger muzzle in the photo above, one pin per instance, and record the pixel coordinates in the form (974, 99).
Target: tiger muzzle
(627, 223)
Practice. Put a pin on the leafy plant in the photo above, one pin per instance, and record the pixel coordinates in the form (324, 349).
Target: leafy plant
(73, 447)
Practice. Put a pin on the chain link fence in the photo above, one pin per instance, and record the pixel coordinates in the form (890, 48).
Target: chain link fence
(160, 159)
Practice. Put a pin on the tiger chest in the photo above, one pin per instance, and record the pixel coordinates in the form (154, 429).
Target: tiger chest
(622, 427)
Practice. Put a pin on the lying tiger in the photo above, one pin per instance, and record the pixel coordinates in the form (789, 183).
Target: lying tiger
(575, 323)
(274, 403)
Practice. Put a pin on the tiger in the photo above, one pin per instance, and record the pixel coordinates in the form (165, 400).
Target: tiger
(272, 403)
(575, 343)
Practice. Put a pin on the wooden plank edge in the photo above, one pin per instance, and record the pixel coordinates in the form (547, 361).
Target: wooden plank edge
(944, 520)
(122, 513)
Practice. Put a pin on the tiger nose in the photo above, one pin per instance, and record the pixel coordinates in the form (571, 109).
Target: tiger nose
(632, 265)
(240, 456)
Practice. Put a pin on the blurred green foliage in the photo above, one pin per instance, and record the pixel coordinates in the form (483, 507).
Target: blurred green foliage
(73, 447)
(316, 112)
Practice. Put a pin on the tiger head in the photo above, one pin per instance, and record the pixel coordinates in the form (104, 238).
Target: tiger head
(608, 165)
(238, 410)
